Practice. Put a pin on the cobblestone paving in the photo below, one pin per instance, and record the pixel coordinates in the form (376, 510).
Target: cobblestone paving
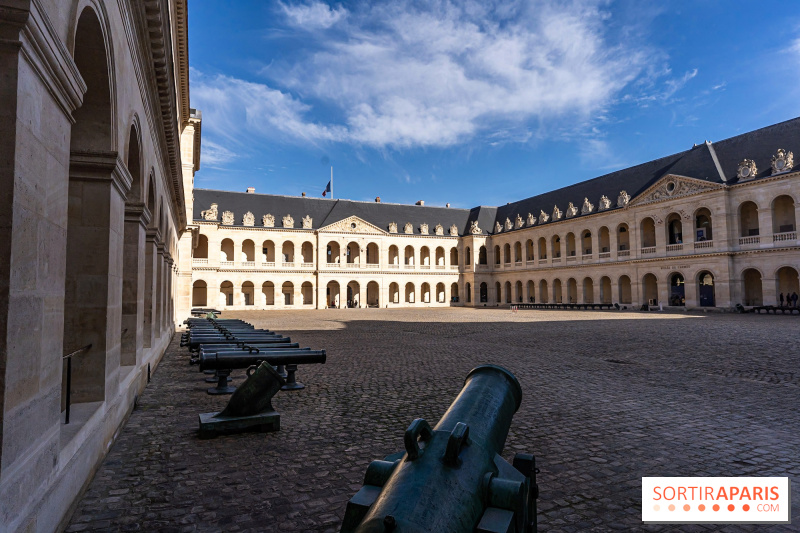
(609, 397)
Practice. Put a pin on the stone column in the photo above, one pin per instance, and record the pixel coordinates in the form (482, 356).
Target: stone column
(150, 291)
(137, 216)
(98, 185)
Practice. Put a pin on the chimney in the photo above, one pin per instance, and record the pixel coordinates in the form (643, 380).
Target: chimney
(377, 199)
(304, 195)
(447, 204)
(251, 190)
(420, 202)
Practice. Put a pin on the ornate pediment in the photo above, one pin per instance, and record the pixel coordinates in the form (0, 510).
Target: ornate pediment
(438, 230)
(672, 186)
(782, 161)
(227, 218)
(353, 224)
(248, 219)
(454, 230)
(268, 220)
(288, 221)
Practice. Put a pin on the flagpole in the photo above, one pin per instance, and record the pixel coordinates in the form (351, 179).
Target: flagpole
(331, 182)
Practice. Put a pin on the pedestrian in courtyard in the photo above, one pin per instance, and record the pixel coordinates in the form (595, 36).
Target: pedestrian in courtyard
(794, 299)
(781, 298)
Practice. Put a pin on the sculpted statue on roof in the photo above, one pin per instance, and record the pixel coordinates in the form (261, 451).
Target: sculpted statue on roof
(268, 221)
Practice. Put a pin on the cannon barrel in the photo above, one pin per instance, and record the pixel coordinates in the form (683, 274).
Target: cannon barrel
(452, 478)
(213, 361)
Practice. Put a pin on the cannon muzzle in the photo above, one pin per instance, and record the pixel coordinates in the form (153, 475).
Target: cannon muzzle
(452, 478)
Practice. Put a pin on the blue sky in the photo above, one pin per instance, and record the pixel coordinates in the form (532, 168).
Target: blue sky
(480, 102)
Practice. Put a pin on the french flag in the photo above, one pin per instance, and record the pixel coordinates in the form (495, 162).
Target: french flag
(327, 189)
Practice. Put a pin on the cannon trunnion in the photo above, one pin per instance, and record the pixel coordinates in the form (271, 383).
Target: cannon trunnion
(452, 478)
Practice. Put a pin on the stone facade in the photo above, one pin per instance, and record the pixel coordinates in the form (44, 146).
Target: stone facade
(95, 111)
(681, 242)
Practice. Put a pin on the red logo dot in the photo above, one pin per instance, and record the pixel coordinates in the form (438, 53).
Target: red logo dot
(731, 507)
(716, 507)
(746, 507)
(701, 507)
(687, 507)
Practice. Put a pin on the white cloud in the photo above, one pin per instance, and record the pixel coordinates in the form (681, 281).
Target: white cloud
(215, 154)
(410, 74)
(314, 15)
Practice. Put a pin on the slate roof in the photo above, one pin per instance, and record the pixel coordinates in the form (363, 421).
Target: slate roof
(697, 162)
(324, 212)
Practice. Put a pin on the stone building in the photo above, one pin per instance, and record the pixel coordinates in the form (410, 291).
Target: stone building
(713, 226)
(97, 142)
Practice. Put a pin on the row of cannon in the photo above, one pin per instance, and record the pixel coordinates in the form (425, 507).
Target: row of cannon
(449, 478)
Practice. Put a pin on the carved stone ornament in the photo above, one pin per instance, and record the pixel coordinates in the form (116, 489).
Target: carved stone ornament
(623, 199)
(438, 230)
(508, 225)
(408, 229)
(782, 161)
(268, 221)
(392, 227)
(248, 219)
(531, 220)
(497, 227)
(227, 218)
(288, 221)
(658, 220)
(423, 229)
(685, 215)
(210, 213)
(454, 230)
(571, 210)
(543, 217)
(587, 207)
(307, 222)
(605, 203)
(473, 228)
(557, 213)
(747, 170)
(518, 223)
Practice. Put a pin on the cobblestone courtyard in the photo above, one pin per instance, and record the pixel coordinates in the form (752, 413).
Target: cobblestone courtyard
(608, 398)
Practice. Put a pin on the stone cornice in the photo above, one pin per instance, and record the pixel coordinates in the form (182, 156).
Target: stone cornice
(153, 235)
(137, 212)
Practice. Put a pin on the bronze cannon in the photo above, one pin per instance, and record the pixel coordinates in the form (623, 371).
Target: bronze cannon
(452, 478)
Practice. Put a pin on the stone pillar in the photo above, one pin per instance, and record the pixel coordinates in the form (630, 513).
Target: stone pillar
(769, 290)
(765, 229)
(98, 185)
(159, 294)
(150, 291)
(137, 216)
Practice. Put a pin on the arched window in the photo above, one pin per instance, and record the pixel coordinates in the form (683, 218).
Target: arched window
(468, 292)
(783, 215)
(332, 294)
(268, 293)
(482, 260)
(748, 219)
(623, 238)
(199, 294)
(706, 295)
(440, 257)
(409, 293)
(518, 252)
(484, 293)
(497, 257)
(425, 257)
(703, 226)
(586, 242)
(248, 293)
(226, 248)
(650, 289)
(288, 293)
(605, 240)
(453, 256)
(588, 290)
(409, 256)
(394, 293)
(557, 295)
(373, 254)
(201, 252)
(467, 258)
(529, 250)
(287, 252)
(648, 233)
(625, 293)
(425, 290)
(544, 293)
(226, 293)
(307, 251)
(373, 294)
(307, 292)
(570, 244)
(605, 290)
(572, 291)
(751, 280)
(268, 252)
(248, 251)
(674, 229)
(531, 296)
(353, 252)
(394, 256)
(542, 248)
(518, 293)
(555, 245)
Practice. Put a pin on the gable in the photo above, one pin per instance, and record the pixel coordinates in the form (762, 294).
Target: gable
(673, 186)
(353, 224)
